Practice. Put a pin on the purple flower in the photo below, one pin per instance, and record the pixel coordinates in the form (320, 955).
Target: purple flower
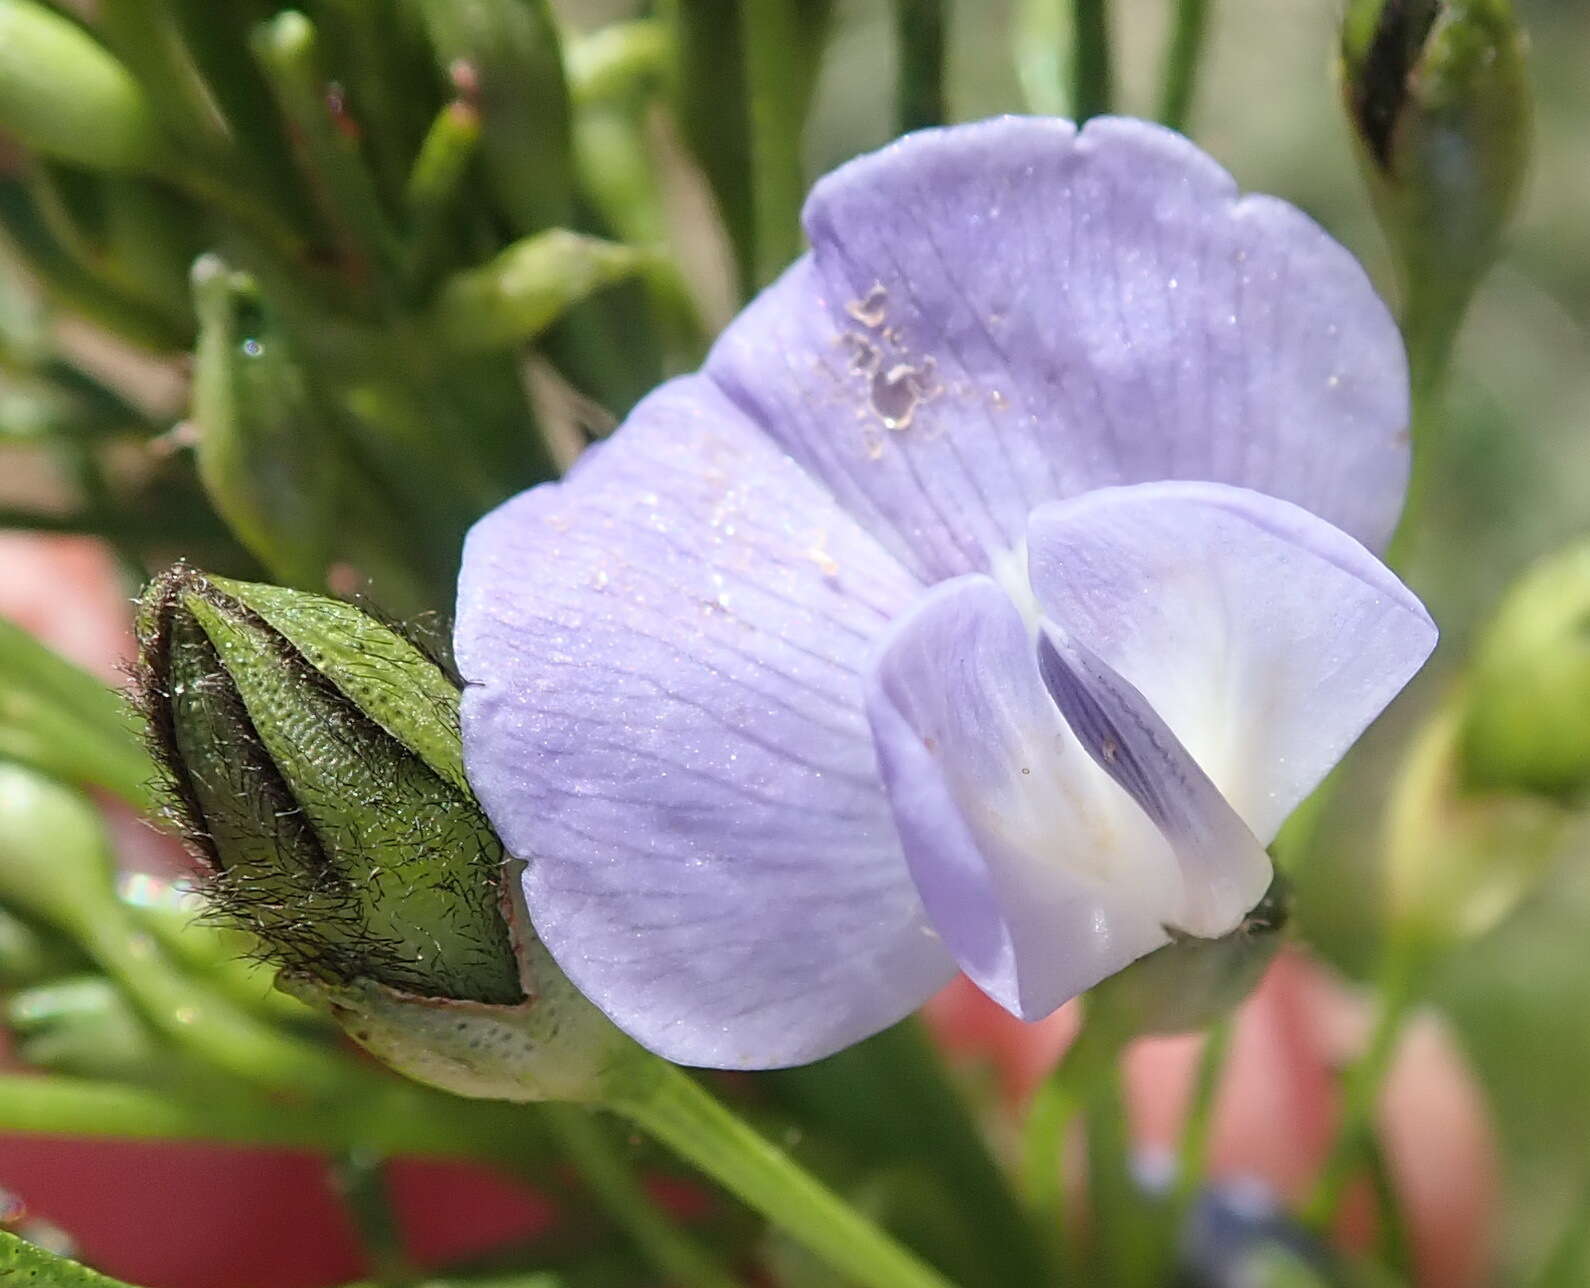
(989, 599)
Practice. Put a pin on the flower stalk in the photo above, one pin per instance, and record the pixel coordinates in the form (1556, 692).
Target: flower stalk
(668, 1104)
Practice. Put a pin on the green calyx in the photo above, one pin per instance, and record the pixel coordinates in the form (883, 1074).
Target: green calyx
(1191, 983)
(314, 761)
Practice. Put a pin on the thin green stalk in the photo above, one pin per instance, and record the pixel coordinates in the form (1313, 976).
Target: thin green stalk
(216, 41)
(1429, 328)
(1182, 59)
(289, 51)
(773, 73)
(608, 1176)
(202, 1022)
(1054, 1108)
(1091, 75)
(388, 1116)
(1123, 1249)
(919, 39)
(1192, 1150)
(361, 1180)
(875, 1096)
(146, 36)
(671, 1106)
(1060, 1099)
(435, 187)
(1392, 1236)
(1398, 992)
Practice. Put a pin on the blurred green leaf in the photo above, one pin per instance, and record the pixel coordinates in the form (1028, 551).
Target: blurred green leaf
(62, 93)
(25, 1265)
(503, 58)
(60, 719)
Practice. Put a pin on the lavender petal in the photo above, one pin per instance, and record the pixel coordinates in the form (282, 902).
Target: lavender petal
(1264, 638)
(664, 716)
(1007, 313)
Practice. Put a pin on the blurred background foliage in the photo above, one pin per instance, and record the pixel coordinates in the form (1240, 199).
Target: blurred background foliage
(372, 349)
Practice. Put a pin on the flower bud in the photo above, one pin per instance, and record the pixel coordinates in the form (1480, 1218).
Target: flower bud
(1527, 724)
(263, 457)
(1458, 859)
(1438, 100)
(307, 746)
(64, 95)
(527, 287)
(315, 761)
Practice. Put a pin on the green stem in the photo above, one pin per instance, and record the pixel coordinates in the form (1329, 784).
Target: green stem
(672, 1107)
(435, 187)
(1392, 1234)
(875, 1096)
(145, 35)
(288, 48)
(919, 37)
(1398, 991)
(1122, 1248)
(1182, 59)
(1192, 1150)
(1429, 328)
(388, 1116)
(361, 1180)
(202, 1022)
(1060, 1098)
(774, 78)
(610, 1179)
(1091, 77)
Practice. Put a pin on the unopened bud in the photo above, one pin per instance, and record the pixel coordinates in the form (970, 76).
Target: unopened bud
(263, 456)
(1527, 723)
(315, 761)
(528, 287)
(64, 95)
(1459, 859)
(306, 746)
(1439, 103)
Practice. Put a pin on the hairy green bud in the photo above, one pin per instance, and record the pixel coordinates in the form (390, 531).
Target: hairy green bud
(313, 757)
(63, 94)
(314, 760)
(1438, 99)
